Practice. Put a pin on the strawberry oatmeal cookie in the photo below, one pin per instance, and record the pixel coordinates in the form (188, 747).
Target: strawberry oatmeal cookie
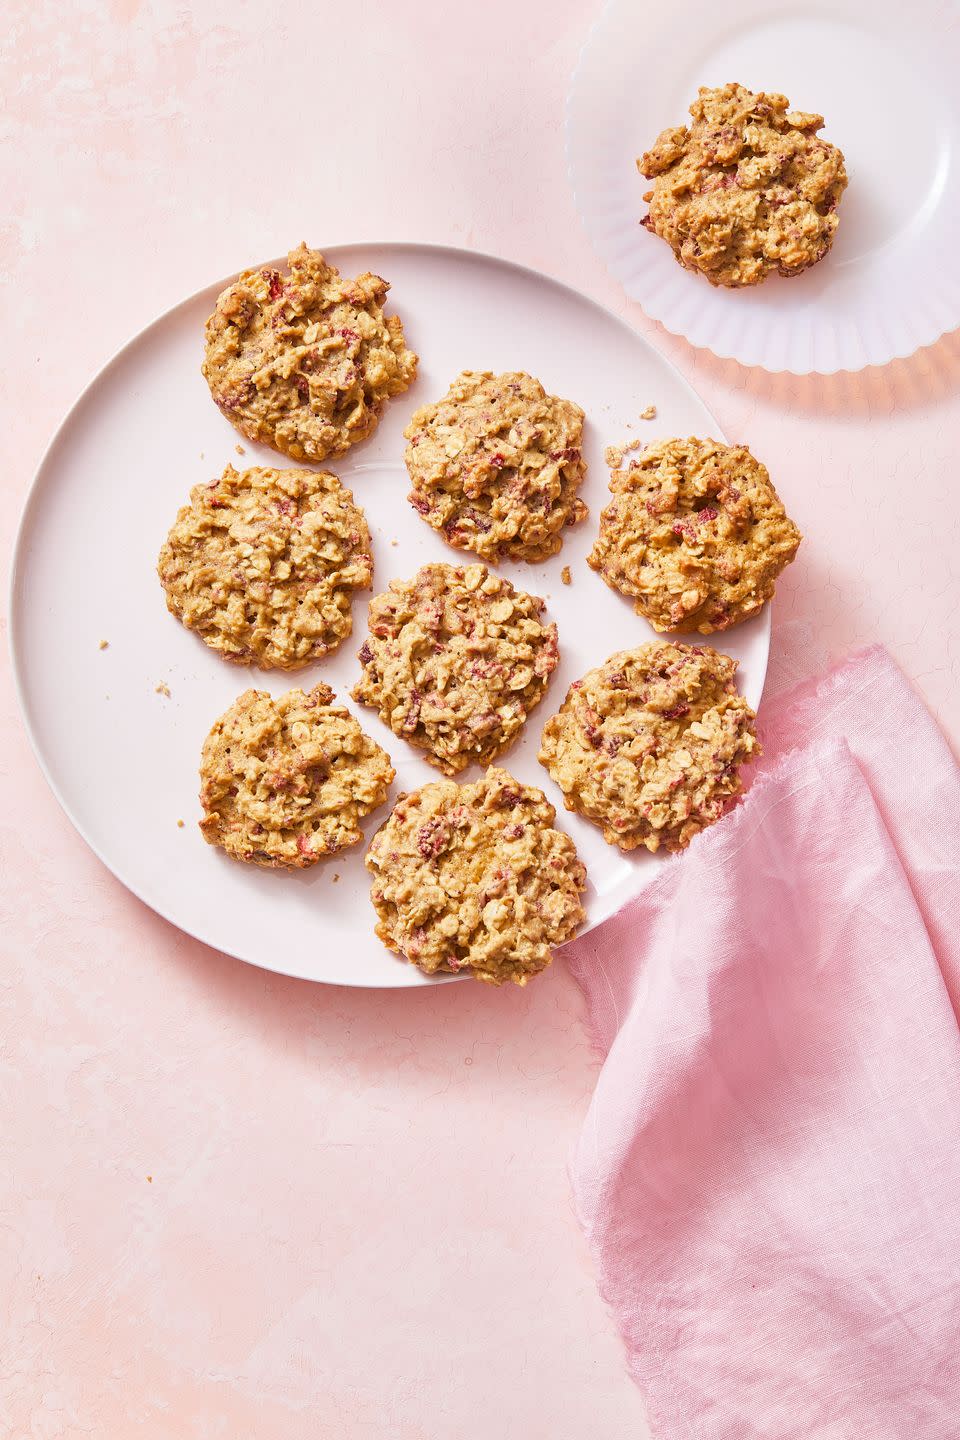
(263, 565)
(286, 781)
(474, 877)
(749, 188)
(304, 361)
(648, 746)
(455, 661)
(695, 534)
(495, 466)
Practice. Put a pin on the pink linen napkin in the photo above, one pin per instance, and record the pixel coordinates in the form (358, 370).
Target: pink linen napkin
(769, 1173)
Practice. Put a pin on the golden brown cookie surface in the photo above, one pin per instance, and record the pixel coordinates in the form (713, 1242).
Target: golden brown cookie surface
(286, 780)
(748, 188)
(648, 745)
(475, 877)
(304, 361)
(695, 533)
(495, 466)
(263, 565)
(455, 660)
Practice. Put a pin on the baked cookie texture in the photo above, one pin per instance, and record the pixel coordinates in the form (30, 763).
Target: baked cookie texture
(474, 877)
(747, 189)
(455, 661)
(304, 361)
(648, 745)
(495, 466)
(263, 565)
(285, 781)
(695, 533)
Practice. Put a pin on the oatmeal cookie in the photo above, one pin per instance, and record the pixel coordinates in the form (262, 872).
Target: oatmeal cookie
(263, 565)
(695, 533)
(285, 781)
(304, 361)
(455, 661)
(495, 466)
(649, 744)
(474, 877)
(747, 189)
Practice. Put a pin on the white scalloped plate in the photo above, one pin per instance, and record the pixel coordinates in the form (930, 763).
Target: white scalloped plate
(885, 77)
(122, 758)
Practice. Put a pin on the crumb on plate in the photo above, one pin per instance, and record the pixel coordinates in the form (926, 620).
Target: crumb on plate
(565, 575)
(613, 455)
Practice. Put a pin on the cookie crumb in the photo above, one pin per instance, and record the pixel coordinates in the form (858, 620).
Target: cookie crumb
(649, 414)
(240, 450)
(565, 575)
(104, 644)
(394, 542)
(179, 824)
(613, 455)
(149, 1179)
(162, 689)
(336, 877)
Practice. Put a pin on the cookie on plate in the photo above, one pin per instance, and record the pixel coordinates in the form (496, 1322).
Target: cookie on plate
(455, 661)
(695, 534)
(747, 189)
(648, 745)
(495, 466)
(263, 565)
(474, 877)
(304, 361)
(286, 780)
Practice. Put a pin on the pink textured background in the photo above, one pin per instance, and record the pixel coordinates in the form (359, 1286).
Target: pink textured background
(358, 1220)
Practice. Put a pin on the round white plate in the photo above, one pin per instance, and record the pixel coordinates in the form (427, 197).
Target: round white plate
(122, 758)
(885, 77)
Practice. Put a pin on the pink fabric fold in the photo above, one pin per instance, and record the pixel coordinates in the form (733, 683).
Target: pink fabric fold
(769, 1172)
